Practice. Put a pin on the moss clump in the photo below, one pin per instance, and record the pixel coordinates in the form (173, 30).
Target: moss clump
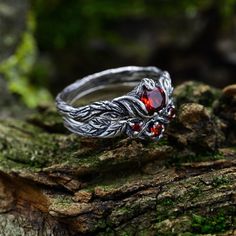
(167, 202)
(196, 92)
(63, 201)
(123, 210)
(211, 224)
(220, 180)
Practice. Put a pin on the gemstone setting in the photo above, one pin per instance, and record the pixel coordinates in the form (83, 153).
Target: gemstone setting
(154, 100)
(156, 110)
(156, 129)
(136, 127)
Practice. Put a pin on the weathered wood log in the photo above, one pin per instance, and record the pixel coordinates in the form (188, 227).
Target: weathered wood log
(54, 183)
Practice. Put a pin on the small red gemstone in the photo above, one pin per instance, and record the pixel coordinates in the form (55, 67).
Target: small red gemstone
(154, 100)
(136, 127)
(156, 130)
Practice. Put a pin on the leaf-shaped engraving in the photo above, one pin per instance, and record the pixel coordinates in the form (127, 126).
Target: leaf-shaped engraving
(119, 108)
(96, 127)
(105, 118)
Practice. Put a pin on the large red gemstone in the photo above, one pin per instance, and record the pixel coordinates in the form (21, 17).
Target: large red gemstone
(154, 100)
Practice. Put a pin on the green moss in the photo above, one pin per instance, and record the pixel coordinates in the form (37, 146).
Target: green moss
(62, 201)
(195, 191)
(180, 158)
(101, 224)
(162, 142)
(196, 92)
(167, 202)
(29, 147)
(195, 224)
(26, 146)
(211, 224)
(48, 119)
(123, 210)
(17, 68)
(220, 180)
(163, 212)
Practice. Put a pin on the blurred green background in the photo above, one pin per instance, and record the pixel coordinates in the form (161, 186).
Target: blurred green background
(47, 44)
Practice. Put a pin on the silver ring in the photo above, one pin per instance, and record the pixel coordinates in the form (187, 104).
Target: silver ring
(142, 113)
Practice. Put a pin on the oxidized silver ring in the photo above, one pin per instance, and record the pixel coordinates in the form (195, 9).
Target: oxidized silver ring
(142, 112)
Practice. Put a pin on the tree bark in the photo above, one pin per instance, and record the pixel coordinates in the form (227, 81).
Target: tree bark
(54, 183)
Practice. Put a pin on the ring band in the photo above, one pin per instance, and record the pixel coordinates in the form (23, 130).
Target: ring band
(141, 113)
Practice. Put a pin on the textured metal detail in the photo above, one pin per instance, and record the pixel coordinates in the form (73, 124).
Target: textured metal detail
(112, 118)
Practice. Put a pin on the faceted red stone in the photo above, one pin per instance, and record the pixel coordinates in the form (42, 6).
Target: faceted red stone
(156, 129)
(154, 100)
(136, 127)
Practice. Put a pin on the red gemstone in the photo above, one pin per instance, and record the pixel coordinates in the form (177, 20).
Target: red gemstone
(136, 127)
(156, 130)
(154, 100)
